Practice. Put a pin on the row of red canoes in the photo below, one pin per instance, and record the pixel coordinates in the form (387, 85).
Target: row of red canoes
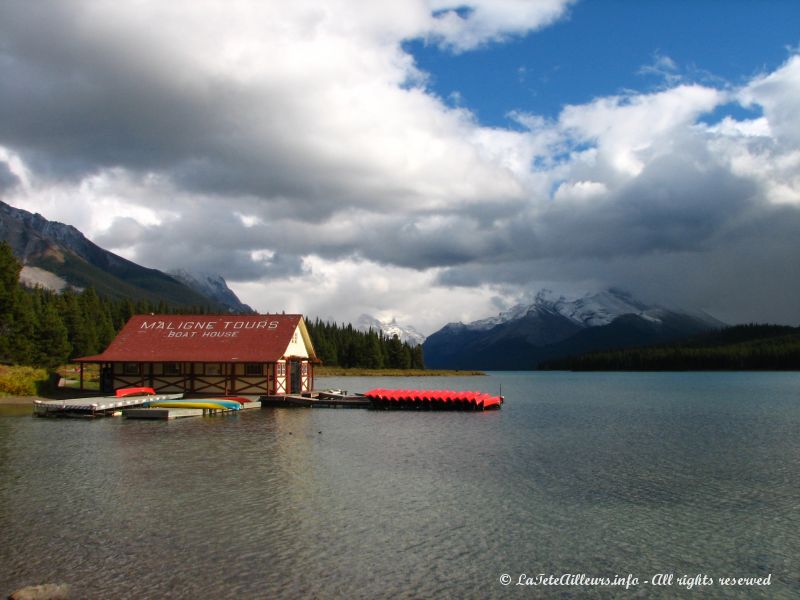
(434, 399)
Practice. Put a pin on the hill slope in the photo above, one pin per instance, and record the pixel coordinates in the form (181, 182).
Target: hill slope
(63, 251)
(743, 347)
(212, 286)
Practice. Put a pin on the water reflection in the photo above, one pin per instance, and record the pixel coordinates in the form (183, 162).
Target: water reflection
(595, 473)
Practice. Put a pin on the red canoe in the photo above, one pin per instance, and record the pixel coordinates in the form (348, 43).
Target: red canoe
(433, 399)
(135, 391)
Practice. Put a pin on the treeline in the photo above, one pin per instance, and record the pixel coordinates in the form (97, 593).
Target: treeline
(743, 347)
(44, 328)
(345, 346)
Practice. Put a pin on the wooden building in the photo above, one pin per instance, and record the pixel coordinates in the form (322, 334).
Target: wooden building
(254, 354)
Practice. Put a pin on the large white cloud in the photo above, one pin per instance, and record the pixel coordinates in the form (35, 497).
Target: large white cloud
(295, 147)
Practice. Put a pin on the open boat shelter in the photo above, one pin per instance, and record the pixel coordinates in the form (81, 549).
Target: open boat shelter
(253, 354)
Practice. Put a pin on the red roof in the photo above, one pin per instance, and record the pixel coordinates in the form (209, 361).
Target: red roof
(202, 338)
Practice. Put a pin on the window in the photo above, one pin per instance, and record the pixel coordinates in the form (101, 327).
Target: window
(213, 369)
(304, 369)
(130, 368)
(172, 368)
(281, 369)
(253, 370)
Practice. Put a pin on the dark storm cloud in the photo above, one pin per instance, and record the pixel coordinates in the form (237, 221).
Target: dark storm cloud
(7, 178)
(72, 106)
(673, 205)
(213, 240)
(248, 159)
(685, 231)
(746, 272)
(76, 100)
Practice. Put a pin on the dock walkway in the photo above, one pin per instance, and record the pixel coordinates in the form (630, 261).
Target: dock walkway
(165, 414)
(317, 400)
(93, 407)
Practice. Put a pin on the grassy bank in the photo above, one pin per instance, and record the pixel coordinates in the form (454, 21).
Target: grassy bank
(323, 371)
(20, 382)
(23, 381)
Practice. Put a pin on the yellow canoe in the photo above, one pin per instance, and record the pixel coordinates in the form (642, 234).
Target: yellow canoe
(206, 404)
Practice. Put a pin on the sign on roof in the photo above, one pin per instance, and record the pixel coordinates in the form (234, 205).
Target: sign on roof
(200, 338)
(206, 328)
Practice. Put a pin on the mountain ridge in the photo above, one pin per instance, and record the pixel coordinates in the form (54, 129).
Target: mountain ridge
(53, 251)
(212, 285)
(556, 326)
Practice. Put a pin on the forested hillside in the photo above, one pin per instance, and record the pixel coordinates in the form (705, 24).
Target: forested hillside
(743, 347)
(44, 328)
(345, 346)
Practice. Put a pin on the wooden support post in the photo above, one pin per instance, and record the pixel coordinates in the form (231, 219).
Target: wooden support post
(81, 377)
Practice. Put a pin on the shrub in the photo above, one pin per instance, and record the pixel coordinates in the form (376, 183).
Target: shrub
(21, 381)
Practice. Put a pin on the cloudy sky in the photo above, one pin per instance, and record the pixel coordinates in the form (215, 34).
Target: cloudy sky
(426, 159)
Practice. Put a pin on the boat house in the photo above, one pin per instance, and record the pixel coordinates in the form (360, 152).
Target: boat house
(253, 354)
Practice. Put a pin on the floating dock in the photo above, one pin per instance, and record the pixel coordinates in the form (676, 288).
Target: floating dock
(383, 399)
(101, 406)
(317, 400)
(175, 406)
(168, 413)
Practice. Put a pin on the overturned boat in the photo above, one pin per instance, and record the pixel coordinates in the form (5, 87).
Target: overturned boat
(204, 403)
(433, 400)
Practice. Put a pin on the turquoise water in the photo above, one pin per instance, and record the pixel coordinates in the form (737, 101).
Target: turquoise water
(605, 475)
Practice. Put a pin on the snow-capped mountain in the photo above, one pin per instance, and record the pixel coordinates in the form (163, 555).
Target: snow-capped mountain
(589, 310)
(554, 326)
(213, 286)
(406, 333)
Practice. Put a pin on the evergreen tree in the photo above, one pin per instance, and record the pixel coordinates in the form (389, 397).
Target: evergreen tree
(75, 321)
(52, 346)
(395, 353)
(373, 358)
(417, 357)
(9, 278)
(122, 313)
(16, 311)
(22, 330)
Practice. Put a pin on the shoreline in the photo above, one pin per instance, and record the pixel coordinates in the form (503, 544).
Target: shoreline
(358, 372)
(18, 400)
(320, 372)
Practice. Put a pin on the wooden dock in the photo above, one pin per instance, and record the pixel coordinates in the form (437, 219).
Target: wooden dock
(317, 400)
(101, 406)
(165, 414)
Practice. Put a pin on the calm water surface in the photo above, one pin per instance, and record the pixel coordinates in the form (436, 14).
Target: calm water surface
(602, 474)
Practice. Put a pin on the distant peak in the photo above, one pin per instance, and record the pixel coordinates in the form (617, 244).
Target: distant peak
(390, 328)
(212, 285)
(589, 309)
(545, 296)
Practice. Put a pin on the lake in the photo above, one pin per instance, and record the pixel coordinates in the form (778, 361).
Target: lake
(617, 476)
